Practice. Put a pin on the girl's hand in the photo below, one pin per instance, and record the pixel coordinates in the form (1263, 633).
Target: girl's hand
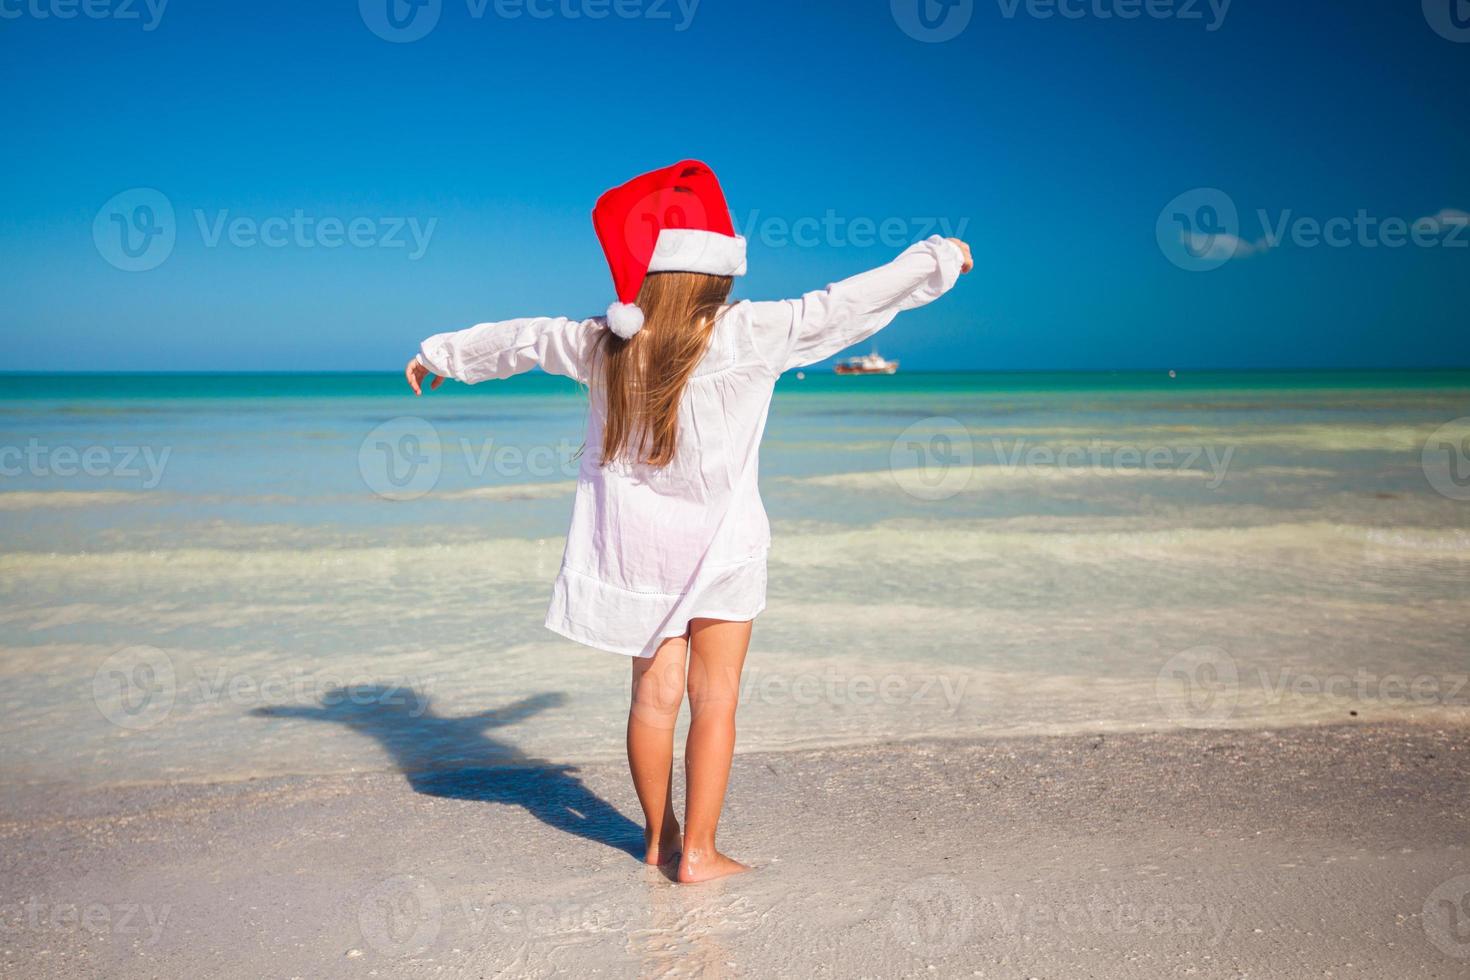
(969, 262)
(416, 373)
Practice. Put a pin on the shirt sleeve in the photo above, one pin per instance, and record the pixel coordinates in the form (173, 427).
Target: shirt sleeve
(499, 350)
(813, 328)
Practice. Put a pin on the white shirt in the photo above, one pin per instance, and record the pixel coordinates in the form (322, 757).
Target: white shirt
(652, 548)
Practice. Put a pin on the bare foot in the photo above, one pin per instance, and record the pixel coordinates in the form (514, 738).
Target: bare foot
(699, 865)
(666, 848)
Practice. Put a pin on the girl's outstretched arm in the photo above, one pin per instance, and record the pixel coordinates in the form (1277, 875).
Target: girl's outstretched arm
(803, 331)
(500, 350)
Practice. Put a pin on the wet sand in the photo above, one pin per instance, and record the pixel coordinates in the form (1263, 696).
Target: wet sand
(1309, 852)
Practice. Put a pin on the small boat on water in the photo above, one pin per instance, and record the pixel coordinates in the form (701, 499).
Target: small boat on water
(873, 363)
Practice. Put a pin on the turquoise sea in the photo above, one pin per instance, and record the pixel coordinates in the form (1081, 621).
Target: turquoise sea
(193, 564)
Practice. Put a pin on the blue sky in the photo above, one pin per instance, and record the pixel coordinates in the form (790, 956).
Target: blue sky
(456, 172)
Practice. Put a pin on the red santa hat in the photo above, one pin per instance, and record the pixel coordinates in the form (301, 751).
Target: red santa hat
(670, 220)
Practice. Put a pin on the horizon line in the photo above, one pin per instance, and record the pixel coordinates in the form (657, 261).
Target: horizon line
(20, 373)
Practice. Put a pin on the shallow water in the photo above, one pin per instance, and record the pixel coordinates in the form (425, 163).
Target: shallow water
(196, 568)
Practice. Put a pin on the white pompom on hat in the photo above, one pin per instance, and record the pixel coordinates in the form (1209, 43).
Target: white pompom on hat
(624, 319)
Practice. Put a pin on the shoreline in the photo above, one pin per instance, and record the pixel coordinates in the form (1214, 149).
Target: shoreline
(1267, 852)
(1332, 716)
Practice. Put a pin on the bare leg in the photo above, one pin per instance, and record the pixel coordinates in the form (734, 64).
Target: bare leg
(718, 656)
(658, 691)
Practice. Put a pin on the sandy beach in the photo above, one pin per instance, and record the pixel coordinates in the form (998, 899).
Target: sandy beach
(1091, 705)
(1310, 852)
(1074, 393)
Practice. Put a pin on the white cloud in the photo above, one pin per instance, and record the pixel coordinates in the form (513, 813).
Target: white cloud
(1224, 246)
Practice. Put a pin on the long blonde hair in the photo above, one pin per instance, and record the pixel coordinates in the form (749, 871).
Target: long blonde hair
(643, 377)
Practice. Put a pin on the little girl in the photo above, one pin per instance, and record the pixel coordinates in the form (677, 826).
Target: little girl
(667, 550)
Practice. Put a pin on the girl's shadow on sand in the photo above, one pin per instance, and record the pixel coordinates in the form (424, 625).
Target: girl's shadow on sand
(456, 759)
